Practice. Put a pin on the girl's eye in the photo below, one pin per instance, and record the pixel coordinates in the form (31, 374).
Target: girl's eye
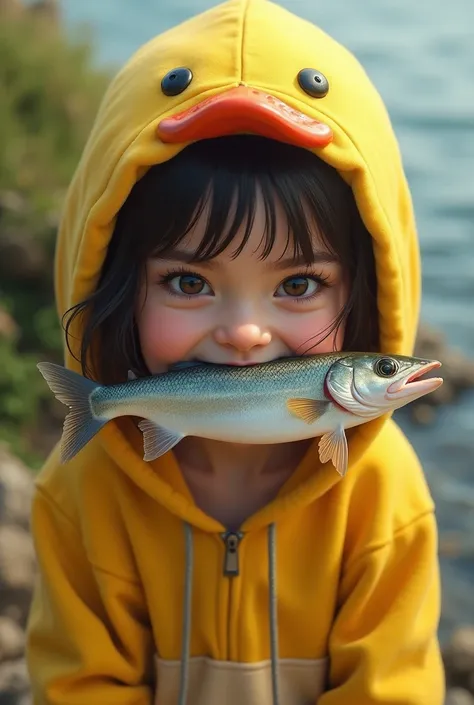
(298, 287)
(189, 284)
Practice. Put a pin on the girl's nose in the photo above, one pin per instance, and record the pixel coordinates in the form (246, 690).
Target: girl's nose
(242, 337)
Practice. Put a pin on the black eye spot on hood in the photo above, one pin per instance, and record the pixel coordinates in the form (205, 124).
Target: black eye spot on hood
(313, 82)
(176, 81)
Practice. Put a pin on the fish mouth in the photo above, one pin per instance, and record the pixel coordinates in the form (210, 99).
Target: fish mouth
(245, 110)
(414, 387)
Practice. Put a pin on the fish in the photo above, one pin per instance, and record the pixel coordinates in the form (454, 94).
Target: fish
(284, 400)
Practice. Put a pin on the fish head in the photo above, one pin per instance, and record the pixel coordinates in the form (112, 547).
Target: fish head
(370, 385)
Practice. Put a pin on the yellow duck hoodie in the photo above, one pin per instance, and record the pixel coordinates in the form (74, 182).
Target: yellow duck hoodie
(334, 597)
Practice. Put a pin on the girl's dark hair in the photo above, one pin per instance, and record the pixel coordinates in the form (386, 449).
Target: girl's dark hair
(221, 177)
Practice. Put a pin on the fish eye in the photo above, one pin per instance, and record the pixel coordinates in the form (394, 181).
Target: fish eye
(313, 82)
(176, 81)
(386, 367)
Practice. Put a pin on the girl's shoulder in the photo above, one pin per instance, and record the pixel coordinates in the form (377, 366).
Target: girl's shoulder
(90, 473)
(385, 492)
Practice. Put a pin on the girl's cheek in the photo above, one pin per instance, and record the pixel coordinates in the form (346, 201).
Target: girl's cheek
(308, 336)
(167, 335)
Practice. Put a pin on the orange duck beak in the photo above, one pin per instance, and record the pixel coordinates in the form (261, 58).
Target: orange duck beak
(245, 110)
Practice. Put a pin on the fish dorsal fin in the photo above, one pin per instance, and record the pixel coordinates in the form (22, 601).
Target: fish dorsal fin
(309, 410)
(157, 440)
(333, 446)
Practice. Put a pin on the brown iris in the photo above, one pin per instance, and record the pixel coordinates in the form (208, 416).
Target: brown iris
(296, 286)
(189, 284)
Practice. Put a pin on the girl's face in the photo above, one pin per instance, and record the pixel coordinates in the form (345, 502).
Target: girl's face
(242, 310)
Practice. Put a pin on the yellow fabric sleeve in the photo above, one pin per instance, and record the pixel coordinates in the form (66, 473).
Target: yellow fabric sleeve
(89, 641)
(383, 644)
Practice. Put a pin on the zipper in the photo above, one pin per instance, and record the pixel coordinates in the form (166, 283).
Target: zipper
(231, 540)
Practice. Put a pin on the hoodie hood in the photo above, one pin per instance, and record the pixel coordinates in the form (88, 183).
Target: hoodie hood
(258, 47)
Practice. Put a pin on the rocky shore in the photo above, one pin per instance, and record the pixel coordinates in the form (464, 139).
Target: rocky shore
(17, 570)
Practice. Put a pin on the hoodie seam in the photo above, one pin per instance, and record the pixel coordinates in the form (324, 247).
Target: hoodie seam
(52, 502)
(244, 24)
(384, 544)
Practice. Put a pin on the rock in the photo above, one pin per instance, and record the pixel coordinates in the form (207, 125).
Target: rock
(12, 201)
(17, 557)
(14, 683)
(457, 372)
(24, 700)
(16, 491)
(458, 696)
(12, 640)
(11, 8)
(423, 413)
(46, 11)
(451, 545)
(43, 9)
(459, 658)
(21, 256)
(17, 570)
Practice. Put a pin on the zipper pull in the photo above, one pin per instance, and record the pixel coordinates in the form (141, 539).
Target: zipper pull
(231, 558)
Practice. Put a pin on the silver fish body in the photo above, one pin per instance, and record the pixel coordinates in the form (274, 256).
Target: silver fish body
(275, 402)
(233, 404)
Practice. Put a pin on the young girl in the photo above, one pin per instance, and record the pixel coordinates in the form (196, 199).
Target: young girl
(241, 198)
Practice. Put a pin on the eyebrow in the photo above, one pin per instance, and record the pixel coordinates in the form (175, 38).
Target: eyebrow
(318, 257)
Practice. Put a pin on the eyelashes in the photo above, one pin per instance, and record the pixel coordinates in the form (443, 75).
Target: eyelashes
(180, 273)
(318, 280)
(198, 286)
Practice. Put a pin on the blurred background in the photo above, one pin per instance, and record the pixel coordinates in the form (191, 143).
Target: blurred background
(55, 61)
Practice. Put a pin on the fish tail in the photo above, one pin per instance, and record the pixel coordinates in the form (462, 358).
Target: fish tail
(73, 390)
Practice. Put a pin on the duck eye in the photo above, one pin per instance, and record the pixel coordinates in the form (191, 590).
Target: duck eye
(313, 82)
(386, 367)
(176, 81)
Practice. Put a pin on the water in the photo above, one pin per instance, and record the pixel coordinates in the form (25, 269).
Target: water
(421, 58)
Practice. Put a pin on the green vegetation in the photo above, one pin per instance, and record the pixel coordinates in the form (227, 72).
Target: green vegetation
(49, 94)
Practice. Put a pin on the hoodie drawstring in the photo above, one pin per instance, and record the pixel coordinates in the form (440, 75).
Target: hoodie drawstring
(273, 605)
(187, 614)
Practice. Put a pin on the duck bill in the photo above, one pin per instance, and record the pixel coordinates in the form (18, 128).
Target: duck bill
(245, 110)
(412, 387)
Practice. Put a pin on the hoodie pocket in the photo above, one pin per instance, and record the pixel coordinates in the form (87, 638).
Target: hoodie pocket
(213, 682)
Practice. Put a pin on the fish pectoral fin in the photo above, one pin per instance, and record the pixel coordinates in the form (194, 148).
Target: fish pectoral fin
(157, 440)
(333, 446)
(309, 410)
